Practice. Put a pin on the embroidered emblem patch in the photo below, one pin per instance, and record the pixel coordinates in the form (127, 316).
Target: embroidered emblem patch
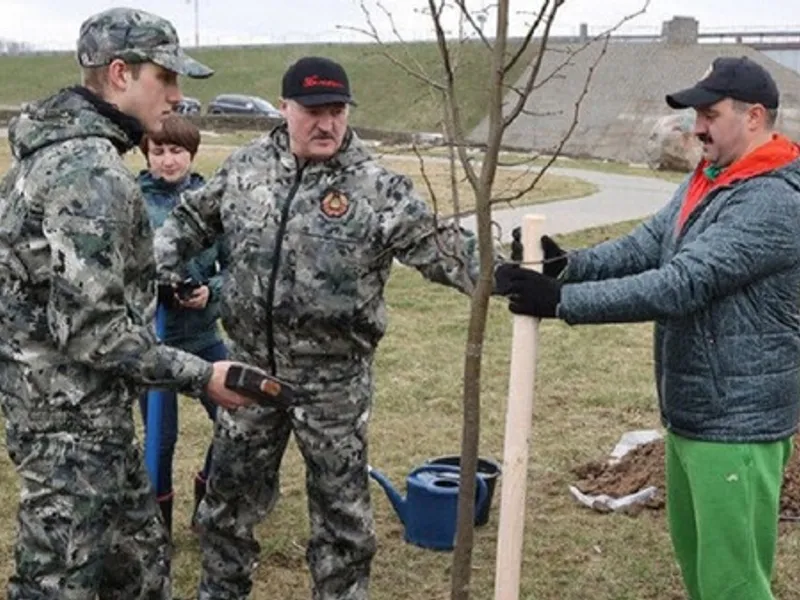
(335, 204)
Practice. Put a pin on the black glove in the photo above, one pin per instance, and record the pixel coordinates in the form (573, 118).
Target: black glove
(555, 259)
(516, 244)
(529, 292)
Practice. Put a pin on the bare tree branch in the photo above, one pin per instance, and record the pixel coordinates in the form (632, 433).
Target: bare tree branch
(573, 124)
(537, 65)
(452, 253)
(536, 113)
(572, 53)
(526, 41)
(453, 116)
(520, 92)
(371, 32)
(426, 180)
(471, 20)
(532, 84)
(451, 155)
(518, 163)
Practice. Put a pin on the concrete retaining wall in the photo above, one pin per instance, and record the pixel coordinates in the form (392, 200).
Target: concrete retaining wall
(625, 98)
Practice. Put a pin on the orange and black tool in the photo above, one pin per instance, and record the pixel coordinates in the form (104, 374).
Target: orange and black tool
(260, 386)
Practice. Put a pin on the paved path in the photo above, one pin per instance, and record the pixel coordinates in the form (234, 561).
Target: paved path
(618, 198)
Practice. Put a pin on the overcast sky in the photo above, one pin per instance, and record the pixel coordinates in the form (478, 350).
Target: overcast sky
(55, 23)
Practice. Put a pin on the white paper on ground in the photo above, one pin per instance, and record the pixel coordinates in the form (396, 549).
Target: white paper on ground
(604, 503)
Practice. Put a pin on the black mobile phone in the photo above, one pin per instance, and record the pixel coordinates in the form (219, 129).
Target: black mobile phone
(186, 288)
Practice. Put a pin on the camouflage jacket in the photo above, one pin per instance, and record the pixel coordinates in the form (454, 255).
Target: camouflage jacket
(311, 247)
(77, 273)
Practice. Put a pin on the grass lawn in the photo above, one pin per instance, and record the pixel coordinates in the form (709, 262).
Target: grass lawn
(388, 97)
(514, 158)
(593, 384)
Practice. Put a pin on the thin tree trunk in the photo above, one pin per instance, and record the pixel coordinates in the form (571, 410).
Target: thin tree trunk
(461, 574)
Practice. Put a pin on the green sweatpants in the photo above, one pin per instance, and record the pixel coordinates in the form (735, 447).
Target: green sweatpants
(723, 502)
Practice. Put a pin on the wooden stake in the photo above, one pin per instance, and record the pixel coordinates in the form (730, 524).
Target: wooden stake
(519, 421)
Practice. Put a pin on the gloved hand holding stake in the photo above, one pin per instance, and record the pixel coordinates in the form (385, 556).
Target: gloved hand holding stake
(529, 292)
(555, 259)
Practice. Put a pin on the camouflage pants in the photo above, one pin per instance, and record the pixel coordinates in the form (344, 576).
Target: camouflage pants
(88, 523)
(330, 425)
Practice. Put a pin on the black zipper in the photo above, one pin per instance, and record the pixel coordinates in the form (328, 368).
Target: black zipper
(276, 259)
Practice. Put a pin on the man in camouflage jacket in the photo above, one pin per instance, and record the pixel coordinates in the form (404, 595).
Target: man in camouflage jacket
(312, 223)
(76, 346)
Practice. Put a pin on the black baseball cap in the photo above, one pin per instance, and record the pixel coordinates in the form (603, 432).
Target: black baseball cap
(730, 77)
(313, 81)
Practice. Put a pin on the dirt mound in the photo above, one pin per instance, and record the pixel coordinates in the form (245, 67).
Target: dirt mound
(790, 496)
(644, 466)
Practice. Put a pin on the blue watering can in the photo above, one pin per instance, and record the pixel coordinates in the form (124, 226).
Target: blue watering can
(488, 471)
(430, 509)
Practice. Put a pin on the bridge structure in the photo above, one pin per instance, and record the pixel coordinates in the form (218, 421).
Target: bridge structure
(780, 44)
(686, 30)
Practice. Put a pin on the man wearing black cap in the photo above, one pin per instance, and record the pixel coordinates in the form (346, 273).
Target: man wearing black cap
(315, 103)
(718, 270)
(76, 344)
(312, 223)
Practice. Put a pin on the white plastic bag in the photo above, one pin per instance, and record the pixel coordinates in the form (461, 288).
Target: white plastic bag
(605, 503)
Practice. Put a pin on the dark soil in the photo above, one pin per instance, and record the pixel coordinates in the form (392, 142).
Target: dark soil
(790, 496)
(644, 466)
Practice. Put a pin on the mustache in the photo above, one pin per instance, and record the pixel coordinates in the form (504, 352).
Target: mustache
(323, 136)
(705, 138)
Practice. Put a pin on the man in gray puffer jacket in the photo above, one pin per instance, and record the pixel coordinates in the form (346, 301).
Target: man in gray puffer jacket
(718, 270)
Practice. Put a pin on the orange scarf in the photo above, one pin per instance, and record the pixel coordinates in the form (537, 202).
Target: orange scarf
(776, 153)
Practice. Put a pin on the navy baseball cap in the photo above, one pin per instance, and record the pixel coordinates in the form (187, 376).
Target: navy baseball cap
(314, 81)
(730, 77)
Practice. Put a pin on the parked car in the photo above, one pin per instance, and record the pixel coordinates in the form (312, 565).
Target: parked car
(241, 105)
(188, 106)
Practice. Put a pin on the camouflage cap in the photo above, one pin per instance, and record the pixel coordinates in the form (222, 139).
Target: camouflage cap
(135, 36)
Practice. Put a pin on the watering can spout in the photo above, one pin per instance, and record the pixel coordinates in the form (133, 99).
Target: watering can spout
(398, 502)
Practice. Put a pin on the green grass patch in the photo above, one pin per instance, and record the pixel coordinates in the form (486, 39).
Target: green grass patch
(388, 97)
(519, 159)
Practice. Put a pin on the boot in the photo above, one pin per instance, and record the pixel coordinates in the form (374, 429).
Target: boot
(166, 513)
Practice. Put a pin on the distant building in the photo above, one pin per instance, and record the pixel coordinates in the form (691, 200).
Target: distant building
(626, 93)
(13, 47)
